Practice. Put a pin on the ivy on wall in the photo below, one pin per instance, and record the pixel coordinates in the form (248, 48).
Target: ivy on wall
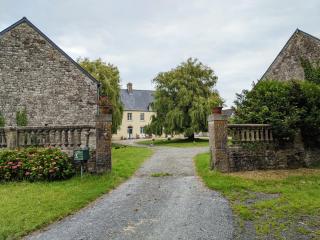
(311, 71)
(21, 118)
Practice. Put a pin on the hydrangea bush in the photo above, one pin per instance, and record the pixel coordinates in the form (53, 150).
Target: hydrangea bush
(34, 164)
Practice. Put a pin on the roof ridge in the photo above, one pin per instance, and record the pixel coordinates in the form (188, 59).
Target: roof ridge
(138, 90)
(25, 20)
(286, 46)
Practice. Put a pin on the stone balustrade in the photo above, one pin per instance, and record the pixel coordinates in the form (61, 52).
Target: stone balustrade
(65, 137)
(253, 147)
(250, 133)
(68, 139)
(3, 141)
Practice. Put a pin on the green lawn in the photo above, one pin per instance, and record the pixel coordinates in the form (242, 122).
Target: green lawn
(198, 142)
(28, 206)
(280, 204)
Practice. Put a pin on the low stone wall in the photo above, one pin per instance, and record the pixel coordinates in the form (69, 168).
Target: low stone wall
(264, 157)
(68, 139)
(245, 147)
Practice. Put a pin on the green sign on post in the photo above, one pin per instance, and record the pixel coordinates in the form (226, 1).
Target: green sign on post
(81, 155)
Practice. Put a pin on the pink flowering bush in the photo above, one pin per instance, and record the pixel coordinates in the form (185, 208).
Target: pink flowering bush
(34, 164)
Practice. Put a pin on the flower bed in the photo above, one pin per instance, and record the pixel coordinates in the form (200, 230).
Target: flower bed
(34, 164)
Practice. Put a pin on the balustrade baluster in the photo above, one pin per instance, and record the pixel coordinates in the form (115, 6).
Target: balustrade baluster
(87, 135)
(252, 135)
(66, 137)
(266, 134)
(257, 133)
(72, 138)
(79, 137)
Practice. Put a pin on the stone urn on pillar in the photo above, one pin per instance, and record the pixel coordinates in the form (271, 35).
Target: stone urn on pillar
(217, 110)
(103, 135)
(105, 106)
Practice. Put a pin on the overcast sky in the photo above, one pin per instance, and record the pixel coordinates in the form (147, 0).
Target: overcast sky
(238, 39)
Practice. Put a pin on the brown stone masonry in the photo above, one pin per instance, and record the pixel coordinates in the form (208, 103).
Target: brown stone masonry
(37, 76)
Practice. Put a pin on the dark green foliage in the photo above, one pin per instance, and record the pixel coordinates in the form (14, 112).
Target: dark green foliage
(22, 118)
(34, 164)
(288, 106)
(311, 71)
(2, 120)
(310, 119)
(109, 77)
(269, 102)
(183, 98)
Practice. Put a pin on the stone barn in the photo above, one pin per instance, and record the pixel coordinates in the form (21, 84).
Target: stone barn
(40, 78)
(287, 65)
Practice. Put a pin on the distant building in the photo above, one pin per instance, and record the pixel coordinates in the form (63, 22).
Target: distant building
(287, 64)
(137, 113)
(39, 77)
(229, 112)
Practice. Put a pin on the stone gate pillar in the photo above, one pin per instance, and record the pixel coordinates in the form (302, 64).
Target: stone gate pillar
(218, 139)
(103, 138)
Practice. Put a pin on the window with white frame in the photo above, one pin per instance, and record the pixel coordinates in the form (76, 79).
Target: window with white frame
(141, 130)
(141, 116)
(129, 116)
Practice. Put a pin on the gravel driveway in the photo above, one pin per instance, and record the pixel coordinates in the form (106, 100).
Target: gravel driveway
(145, 207)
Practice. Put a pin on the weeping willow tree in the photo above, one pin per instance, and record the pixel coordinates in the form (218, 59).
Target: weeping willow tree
(109, 77)
(183, 99)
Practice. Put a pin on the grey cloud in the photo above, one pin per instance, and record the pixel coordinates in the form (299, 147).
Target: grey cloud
(237, 38)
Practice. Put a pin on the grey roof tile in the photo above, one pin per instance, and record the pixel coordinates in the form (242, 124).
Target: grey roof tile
(138, 100)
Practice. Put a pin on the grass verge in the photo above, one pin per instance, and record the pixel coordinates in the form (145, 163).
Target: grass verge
(198, 142)
(26, 206)
(161, 174)
(286, 207)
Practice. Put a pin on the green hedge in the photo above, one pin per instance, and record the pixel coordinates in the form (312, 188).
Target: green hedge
(289, 106)
(34, 164)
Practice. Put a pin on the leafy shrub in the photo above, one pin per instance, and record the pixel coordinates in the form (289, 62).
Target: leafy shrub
(269, 102)
(2, 120)
(34, 164)
(22, 118)
(288, 106)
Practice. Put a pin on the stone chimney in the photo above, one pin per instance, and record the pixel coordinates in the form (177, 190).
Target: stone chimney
(129, 87)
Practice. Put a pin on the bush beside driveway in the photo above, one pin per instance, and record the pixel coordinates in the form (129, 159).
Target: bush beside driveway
(26, 206)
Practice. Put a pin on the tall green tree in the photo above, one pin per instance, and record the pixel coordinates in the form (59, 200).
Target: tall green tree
(183, 98)
(109, 77)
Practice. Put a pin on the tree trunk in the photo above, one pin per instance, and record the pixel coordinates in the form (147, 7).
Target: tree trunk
(191, 137)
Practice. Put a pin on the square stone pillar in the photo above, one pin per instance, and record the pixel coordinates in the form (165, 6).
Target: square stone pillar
(103, 142)
(218, 140)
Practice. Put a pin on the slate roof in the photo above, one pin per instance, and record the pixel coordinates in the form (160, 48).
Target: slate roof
(25, 20)
(138, 100)
(229, 112)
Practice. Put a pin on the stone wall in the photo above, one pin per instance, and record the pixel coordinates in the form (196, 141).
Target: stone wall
(264, 157)
(244, 147)
(287, 64)
(38, 77)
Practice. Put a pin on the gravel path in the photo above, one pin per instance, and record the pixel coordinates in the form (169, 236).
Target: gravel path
(145, 207)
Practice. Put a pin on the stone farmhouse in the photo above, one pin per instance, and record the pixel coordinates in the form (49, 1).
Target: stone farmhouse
(287, 65)
(38, 76)
(137, 113)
